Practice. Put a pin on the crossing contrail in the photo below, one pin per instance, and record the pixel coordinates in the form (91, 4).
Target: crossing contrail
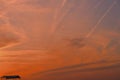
(55, 21)
(72, 8)
(100, 20)
(64, 15)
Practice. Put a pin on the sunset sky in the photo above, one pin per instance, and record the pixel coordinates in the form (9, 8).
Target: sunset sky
(60, 39)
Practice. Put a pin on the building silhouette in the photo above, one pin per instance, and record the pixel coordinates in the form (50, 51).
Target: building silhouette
(11, 77)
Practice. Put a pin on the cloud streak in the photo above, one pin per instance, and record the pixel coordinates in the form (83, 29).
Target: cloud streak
(87, 70)
(69, 68)
(8, 35)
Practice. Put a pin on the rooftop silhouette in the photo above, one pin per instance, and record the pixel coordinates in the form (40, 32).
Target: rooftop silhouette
(8, 77)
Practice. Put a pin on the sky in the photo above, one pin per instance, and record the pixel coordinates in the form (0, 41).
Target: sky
(60, 39)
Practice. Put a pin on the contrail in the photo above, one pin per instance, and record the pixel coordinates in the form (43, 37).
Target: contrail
(64, 15)
(55, 22)
(100, 20)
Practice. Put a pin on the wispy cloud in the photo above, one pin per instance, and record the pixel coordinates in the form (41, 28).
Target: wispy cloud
(89, 69)
(78, 42)
(81, 66)
(9, 38)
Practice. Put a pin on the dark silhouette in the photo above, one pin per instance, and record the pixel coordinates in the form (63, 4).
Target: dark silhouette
(11, 77)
